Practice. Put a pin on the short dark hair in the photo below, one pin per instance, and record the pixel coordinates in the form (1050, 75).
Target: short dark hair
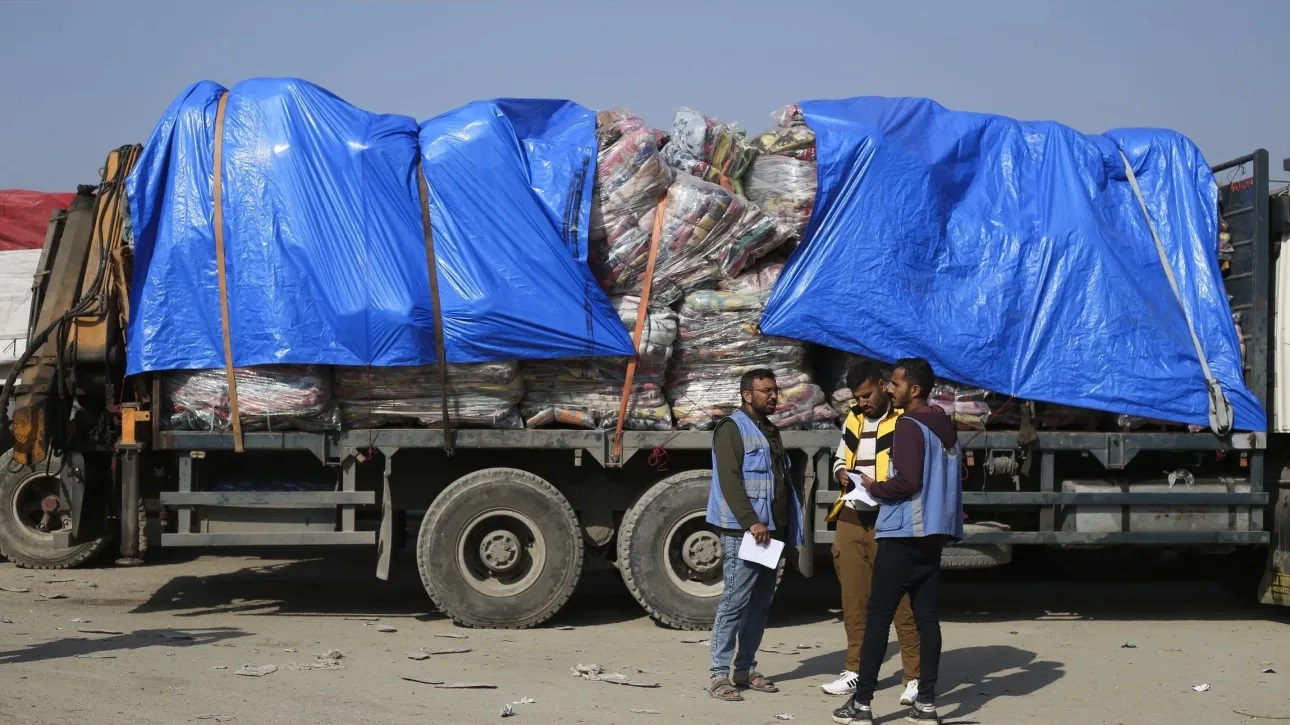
(918, 372)
(746, 382)
(864, 370)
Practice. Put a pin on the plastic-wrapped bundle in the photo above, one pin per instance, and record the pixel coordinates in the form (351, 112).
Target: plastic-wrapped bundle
(708, 234)
(783, 187)
(631, 177)
(782, 179)
(279, 397)
(587, 392)
(709, 149)
(717, 343)
(969, 408)
(790, 137)
(484, 395)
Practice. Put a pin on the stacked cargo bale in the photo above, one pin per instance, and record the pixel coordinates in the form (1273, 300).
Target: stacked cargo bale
(587, 393)
(481, 395)
(704, 147)
(270, 398)
(631, 178)
(782, 178)
(708, 233)
(718, 342)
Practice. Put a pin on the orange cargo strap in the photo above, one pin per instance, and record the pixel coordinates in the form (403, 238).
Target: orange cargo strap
(423, 190)
(234, 409)
(642, 310)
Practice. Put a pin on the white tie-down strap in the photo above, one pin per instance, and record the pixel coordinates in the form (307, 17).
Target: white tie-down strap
(1220, 409)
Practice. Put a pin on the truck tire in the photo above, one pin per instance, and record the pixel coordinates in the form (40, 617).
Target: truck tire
(977, 556)
(500, 548)
(21, 542)
(669, 558)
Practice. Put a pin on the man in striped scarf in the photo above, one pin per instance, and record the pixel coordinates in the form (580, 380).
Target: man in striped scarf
(865, 448)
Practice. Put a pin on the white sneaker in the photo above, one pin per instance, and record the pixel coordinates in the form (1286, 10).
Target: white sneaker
(844, 685)
(911, 691)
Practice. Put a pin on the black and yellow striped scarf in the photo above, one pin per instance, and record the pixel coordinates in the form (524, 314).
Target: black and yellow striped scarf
(886, 432)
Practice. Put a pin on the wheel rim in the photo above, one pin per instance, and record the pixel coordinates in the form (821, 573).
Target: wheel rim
(693, 556)
(501, 552)
(25, 507)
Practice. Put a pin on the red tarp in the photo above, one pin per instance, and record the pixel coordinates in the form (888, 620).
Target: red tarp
(24, 217)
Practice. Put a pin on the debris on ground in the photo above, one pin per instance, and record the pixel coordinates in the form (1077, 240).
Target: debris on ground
(1268, 671)
(694, 641)
(96, 630)
(253, 671)
(5, 620)
(565, 628)
(647, 712)
(53, 595)
(329, 660)
(217, 718)
(1262, 717)
(386, 628)
(420, 681)
(525, 701)
(95, 656)
(507, 710)
(467, 686)
(78, 620)
(778, 650)
(1128, 645)
(596, 673)
(363, 619)
(785, 716)
(419, 655)
(221, 667)
(453, 636)
(59, 581)
(1201, 687)
(14, 590)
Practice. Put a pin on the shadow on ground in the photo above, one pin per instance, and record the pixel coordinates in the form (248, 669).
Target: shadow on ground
(96, 646)
(1040, 584)
(969, 677)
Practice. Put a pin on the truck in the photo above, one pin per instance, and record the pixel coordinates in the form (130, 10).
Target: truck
(504, 522)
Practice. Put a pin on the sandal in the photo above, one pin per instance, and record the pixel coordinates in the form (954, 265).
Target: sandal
(755, 681)
(720, 688)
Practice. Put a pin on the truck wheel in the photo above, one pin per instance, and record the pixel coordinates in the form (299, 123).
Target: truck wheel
(22, 489)
(669, 558)
(500, 548)
(977, 556)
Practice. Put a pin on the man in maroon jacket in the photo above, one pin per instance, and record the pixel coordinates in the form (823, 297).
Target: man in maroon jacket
(921, 512)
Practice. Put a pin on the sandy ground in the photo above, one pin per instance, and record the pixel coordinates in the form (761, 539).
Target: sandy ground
(1021, 647)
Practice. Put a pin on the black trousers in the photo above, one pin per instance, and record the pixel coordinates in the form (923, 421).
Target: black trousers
(903, 565)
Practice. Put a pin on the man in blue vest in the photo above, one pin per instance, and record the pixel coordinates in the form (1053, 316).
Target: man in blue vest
(750, 492)
(921, 512)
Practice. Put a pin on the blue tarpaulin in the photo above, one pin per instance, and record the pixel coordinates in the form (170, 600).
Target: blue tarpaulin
(325, 252)
(1015, 257)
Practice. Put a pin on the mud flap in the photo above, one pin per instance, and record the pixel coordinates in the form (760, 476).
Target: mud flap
(385, 539)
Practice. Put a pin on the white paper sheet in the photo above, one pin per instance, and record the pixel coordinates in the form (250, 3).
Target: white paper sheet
(857, 492)
(767, 556)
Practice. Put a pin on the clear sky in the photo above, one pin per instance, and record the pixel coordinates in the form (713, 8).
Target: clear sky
(82, 77)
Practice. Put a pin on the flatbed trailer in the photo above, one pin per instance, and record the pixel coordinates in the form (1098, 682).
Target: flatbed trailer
(506, 520)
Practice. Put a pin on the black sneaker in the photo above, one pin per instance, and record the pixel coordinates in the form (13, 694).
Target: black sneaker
(853, 713)
(923, 714)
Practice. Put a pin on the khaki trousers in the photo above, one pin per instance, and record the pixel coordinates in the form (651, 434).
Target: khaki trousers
(854, 551)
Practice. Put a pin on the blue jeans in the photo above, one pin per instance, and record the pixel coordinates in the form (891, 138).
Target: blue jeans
(742, 612)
